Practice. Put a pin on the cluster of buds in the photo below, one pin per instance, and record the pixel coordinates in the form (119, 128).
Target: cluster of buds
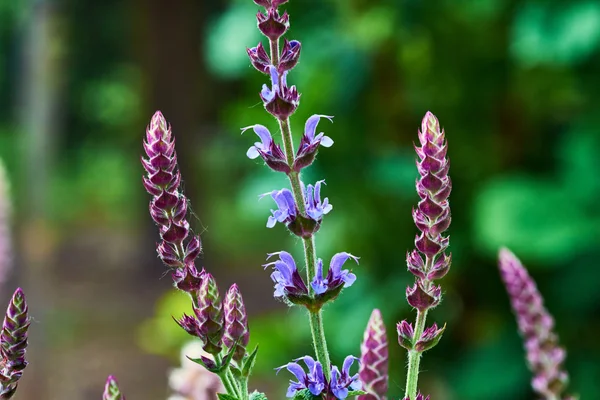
(544, 356)
(373, 368)
(168, 206)
(13, 343)
(219, 326)
(428, 339)
(290, 286)
(429, 261)
(111, 390)
(341, 385)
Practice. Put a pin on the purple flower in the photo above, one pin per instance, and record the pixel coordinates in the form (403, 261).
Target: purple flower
(310, 142)
(544, 356)
(315, 209)
(288, 281)
(336, 277)
(316, 382)
(270, 152)
(13, 343)
(286, 207)
(111, 390)
(341, 382)
(373, 370)
(280, 100)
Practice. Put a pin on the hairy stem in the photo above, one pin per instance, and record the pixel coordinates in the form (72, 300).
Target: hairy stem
(414, 358)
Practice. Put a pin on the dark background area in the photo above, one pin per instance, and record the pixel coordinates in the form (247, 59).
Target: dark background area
(514, 83)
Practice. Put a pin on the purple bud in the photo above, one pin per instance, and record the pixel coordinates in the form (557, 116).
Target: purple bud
(259, 58)
(111, 390)
(373, 369)
(273, 25)
(423, 299)
(13, 343)
(188, 278)
(236, 323)
(406, 334)
(430, 337)
(415, 263)
(290, 54)
(544, 356)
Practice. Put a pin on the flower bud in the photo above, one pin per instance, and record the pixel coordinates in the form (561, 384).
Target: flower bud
(273, 25)
(111, 390)
(290, 54)
(430, 337)
(236, 323)
(13, 343)
(423, 299)
(406, 334)
(259, 58)
(210, 315)
(373, 370)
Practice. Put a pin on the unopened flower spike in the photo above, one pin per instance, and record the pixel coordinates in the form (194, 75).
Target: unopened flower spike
(270, 152)
(315, 381)
(13, 343)
(544, 355)
(429, 261)
(111, 390)
(168, 206)
(310, 142)
(373, 368)
(236, 323)
(207, 322)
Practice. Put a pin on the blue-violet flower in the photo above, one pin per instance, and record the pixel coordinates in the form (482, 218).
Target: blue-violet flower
(336, 277)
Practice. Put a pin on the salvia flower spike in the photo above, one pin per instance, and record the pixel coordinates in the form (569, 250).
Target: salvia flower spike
(13, 343)
(111, 390)
(544, 356)
(315, 381)
(236, 323)
(373, 368)
(168, 206)
(429, 261)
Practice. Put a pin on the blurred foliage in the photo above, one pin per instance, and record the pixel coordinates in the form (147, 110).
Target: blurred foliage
(514, 83)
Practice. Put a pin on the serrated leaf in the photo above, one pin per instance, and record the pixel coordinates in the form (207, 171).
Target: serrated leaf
(249, 363)
(225, 396)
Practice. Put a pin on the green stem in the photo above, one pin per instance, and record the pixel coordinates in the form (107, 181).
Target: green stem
(315, 317)
(229, 385)
(414, 358)
(244, 389)
(310, 254)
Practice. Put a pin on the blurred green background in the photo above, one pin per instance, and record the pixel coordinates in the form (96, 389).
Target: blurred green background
(514, 83)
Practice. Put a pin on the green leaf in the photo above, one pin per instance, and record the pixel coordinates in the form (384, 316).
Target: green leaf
(305, 394)
(249, 363)
(235, 371)
(225, 396)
